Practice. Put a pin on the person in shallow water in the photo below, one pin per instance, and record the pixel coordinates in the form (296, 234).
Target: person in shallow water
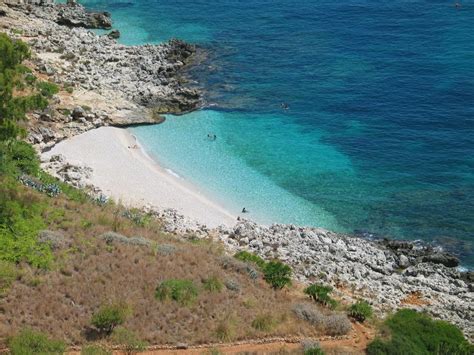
(244, 210)
(284, 106)
(211, 137)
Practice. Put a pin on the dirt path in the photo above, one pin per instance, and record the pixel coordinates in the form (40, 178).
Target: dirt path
(356, 343)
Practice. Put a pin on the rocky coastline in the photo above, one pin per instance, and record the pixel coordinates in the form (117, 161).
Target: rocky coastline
(113, 84)
(103, 82)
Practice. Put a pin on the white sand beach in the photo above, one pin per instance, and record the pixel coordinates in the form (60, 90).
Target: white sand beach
(123, 171)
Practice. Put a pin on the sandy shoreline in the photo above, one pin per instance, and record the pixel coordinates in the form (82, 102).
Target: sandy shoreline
(122, 170)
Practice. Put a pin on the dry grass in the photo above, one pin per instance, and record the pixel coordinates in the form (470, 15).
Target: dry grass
(90, 273)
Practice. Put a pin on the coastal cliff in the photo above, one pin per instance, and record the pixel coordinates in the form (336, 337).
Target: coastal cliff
(106, 83)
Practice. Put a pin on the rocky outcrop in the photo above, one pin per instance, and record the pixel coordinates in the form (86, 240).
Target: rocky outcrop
(120, 85)
(361, 268)
(72, 14)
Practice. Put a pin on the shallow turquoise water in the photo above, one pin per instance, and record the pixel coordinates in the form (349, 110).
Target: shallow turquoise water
(379, 135)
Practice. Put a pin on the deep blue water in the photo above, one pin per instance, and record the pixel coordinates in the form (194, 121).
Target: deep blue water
(379, 135)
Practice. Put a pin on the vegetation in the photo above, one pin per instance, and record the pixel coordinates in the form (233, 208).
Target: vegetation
(128, 341)
(416, 333)
(8, 274)
(360, 311)
(320, 293)
(181, 291)
(250, 258)
(264, 322)
(95, 350)
(212, 284)
(277, 274)
(110, 316)
(30, 342)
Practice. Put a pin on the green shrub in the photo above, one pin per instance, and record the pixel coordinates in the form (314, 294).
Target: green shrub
(250, 258)
(47, 89)
(20, 221)
(181, 291)
(212, 284)
(110, 316)
(360, 311)
(8, 274)
(128, 340)
(277, 274)
(95, 350)
(314, 351)
(264, 323)
(29, 342)
(417, 333)
(23, 159)
(320, 293)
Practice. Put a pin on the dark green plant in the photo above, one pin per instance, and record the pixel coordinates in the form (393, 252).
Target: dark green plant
(320, 293)
(212, 284)
(47, 89)
(29, 342)
(277, 274)
(360, 311)
(128, 341)
(416, 333)
(110, 316)
(181, 291)
(250, 258)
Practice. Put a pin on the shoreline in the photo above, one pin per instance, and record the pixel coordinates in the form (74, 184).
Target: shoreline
(386, 274)
(139, 180)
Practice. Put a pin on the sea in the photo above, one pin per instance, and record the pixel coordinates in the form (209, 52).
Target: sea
(354, 116)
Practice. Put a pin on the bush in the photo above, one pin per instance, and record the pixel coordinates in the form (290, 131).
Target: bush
(8, 274)
(181, 291)
(417, 333)
(263, 323)
(337, 324)
(95, 350)
(277, 274)
(31, 342)
(47, 89)
(360, 311)
(212, 284)
(320, 293)
(110, 316)
(20, 221)
(250, 258)
(23, 158)
(128, 341)
(311, 347)
(309, 314)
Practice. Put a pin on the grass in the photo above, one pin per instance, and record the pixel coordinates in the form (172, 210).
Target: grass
(30, 342)
(8, 274)
(248, 257)
(212, 284)
(128, 341)
(264, 322)
(182, 291)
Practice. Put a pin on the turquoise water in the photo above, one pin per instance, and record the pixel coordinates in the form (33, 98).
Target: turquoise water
(378, 137)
